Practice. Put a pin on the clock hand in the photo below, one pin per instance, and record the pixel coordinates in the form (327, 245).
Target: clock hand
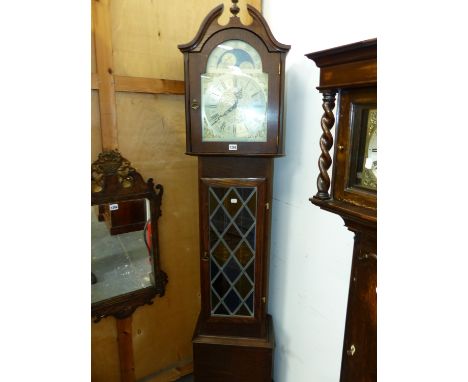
(215, 118)
(231, 108)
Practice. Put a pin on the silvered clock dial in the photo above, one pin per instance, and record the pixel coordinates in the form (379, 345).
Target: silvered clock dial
(234, 95)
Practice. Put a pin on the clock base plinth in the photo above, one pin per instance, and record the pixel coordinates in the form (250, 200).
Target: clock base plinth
(233, 359)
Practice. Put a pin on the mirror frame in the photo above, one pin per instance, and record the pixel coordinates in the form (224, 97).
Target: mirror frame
(113, 180)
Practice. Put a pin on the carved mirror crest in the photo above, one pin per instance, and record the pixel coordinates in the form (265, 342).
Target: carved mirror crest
(125, 270)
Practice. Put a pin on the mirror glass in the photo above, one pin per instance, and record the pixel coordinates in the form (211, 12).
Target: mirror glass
(121, 256)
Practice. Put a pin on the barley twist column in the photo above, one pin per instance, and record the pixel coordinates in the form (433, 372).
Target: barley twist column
(326, 143)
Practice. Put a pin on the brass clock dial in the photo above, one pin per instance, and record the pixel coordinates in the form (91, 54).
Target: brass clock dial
(234, 95)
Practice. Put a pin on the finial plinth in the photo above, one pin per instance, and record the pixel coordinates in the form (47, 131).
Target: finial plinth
(235, 9)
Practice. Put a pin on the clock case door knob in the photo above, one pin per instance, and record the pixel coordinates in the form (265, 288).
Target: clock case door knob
(351, 350)
(195, 104)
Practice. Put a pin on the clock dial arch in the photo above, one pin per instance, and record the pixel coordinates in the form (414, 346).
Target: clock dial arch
(234, 54)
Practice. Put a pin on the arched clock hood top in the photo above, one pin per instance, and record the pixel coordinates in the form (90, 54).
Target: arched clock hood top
(210, 26)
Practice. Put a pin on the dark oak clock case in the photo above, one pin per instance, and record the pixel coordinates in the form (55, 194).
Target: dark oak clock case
(234, 339)
(350, 72)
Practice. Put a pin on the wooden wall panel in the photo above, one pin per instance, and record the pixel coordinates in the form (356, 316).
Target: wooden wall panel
(152, 137)
(104, 354)
(104, 66)
(146, 33)
(96, 140)
(93, 51)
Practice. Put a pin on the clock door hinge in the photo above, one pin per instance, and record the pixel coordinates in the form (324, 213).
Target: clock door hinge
(279, 69)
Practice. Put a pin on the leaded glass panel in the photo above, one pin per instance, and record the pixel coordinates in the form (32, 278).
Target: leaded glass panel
(232, 220)
(244, 254)
(220, 253)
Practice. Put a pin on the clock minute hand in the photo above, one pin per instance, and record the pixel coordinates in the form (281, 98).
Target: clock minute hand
(231, 108)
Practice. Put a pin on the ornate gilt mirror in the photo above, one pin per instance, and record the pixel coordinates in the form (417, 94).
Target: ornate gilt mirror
(125, 270)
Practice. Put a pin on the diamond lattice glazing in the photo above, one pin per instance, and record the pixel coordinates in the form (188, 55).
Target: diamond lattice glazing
(232, 248)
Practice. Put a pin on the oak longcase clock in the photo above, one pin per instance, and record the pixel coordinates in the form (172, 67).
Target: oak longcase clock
(348, 74)
(234, 80)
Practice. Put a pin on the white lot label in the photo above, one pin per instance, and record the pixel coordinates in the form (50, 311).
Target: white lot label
(232, 147)
(233, 201)
(113, 207)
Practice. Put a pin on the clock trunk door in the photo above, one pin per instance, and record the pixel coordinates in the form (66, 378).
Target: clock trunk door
(359, 361)
(231, 263)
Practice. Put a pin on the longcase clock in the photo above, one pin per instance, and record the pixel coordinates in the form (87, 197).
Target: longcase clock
(349, 74)
(234, 76)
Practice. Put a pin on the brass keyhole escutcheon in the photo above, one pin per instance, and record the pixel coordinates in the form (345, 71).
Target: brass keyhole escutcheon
(195, 104)
(367, 256)
(205, 256)
(351, 350)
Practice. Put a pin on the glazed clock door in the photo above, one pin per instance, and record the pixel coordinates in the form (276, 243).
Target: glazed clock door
(232, 266)
(234, 87)
(355, 165)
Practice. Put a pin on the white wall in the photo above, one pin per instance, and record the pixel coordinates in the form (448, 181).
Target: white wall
(311, 249)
